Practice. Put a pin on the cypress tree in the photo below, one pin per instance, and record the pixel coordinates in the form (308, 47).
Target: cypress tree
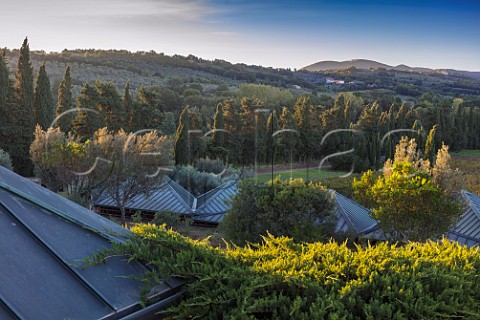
(272, 127)
(43, 106)
(127, 106)
(302, 120)
(181, 149)
(24, 81)
(64, 102)
(287, 140)
(218, 136)
(10, 126)
(168, 124)
(87, 122)
(4, 80)
(196, 144)
(261, 136)
(110, 105)
(430, 145)
(23, 115)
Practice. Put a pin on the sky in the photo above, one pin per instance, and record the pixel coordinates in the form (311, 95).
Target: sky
(280, 34)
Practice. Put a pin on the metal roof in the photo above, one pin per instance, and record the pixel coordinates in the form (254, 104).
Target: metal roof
(212, 205)
(169, 196)
(352, 217)
(467, 229)
(43, 239)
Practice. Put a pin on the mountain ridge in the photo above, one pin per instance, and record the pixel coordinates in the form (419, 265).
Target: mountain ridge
(366, 64)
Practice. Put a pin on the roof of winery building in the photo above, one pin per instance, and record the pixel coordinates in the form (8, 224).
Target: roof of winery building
(467, 229)
(168, 196)
(353, 218)
(44, 239)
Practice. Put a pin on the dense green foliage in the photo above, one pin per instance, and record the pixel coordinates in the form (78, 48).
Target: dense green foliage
(17, 114)
(65, 102)
(5, 160)
(408, 205)
(252, 102)
(4, 80)
(282, 208)
(411, 201)
(282, 279)
(195, 181)
(43, 107)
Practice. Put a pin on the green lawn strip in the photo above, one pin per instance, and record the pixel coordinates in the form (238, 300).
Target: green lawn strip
(466, 153)
(310, 174)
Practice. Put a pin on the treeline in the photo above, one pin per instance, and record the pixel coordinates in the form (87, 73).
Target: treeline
(142, 61)
(407, 83)
(255, 124)
(249, 132)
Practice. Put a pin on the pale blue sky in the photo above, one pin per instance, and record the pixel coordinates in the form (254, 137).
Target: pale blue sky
(281, 33)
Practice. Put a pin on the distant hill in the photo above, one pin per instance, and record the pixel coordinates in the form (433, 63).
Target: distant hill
(219, 77)
(336, 65)
(365, 64)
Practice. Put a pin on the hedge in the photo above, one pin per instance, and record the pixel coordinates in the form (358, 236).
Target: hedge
(282, 279)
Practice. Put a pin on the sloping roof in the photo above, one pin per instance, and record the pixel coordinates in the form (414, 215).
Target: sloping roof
(352, 217)
(467, 229)
(43, 239)
(169, 196)
(212, 206)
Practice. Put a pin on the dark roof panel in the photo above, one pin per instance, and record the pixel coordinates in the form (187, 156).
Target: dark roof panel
(32, 275)
(356, 216)
(63, 237)
(169, 196)
(58, 204)
(467, 229)
(43, 238)
(218, 200)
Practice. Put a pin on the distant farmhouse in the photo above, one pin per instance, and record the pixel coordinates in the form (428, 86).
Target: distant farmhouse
(332, 83)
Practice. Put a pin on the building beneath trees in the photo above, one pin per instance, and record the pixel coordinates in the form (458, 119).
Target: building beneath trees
(44, 239)
(354, 220)
(207, 209)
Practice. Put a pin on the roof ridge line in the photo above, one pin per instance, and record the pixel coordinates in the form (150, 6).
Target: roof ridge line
(178, 196)
(47, 207)
(475, 209)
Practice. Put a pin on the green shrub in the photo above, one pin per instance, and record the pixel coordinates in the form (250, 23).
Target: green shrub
(289, 208)
(5, 160)
(195, 181)
(137, 217)
(168, 218)
(210, 165)
(282, 279)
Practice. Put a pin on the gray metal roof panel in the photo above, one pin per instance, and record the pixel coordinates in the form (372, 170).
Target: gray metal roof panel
(42, 238)
(166, 197)
(218, 201)
(58, 204)
(462, 239)
(469, 223)
(357, 216)
(209, 218)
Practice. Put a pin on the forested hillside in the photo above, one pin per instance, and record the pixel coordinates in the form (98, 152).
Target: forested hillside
(180, 95)
(157, 69)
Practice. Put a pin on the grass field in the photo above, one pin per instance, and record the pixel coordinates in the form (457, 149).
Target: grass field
(310, 174)
(466, 153)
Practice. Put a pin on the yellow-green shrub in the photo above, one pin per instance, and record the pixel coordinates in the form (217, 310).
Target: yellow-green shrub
(281, 279)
